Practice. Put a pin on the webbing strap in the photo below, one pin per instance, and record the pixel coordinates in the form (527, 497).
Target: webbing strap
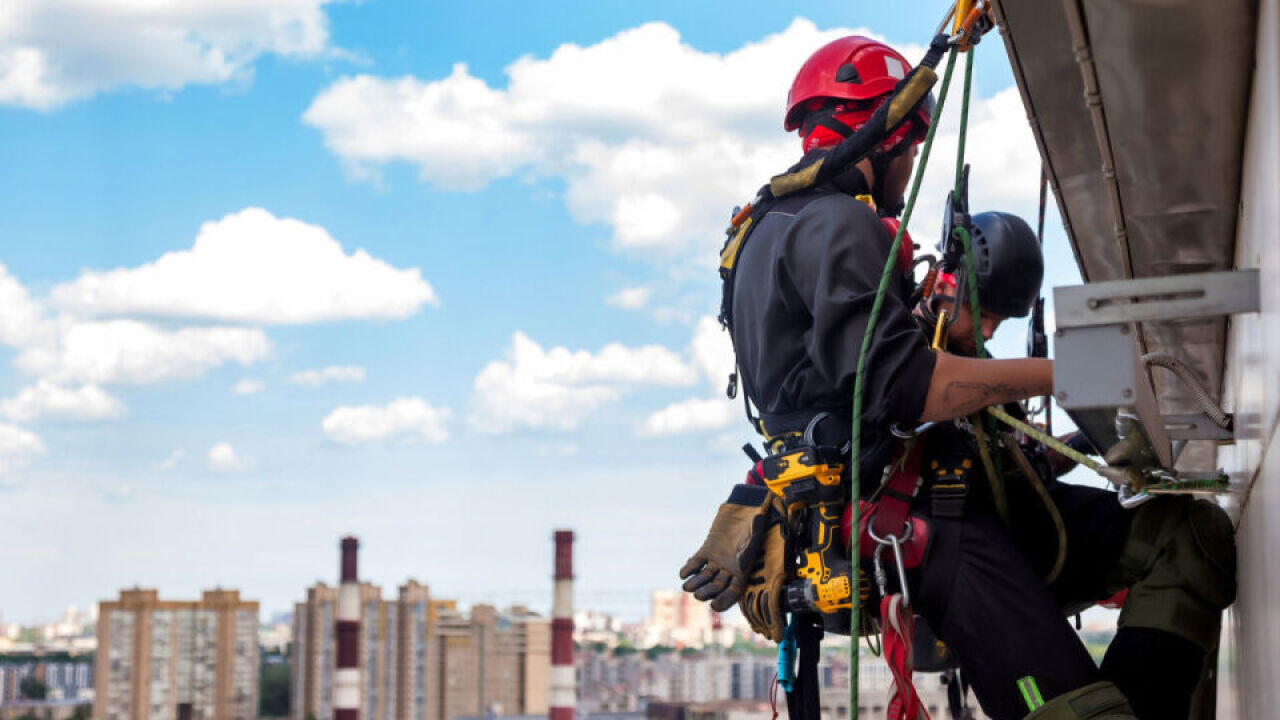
(890, 516)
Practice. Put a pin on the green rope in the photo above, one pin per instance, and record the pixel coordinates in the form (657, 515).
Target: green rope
(856, 440)
(1045, 438)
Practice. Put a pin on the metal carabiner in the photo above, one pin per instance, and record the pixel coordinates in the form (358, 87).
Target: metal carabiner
(895, 542)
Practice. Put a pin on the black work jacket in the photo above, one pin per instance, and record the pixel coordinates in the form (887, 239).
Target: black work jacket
(805, 283)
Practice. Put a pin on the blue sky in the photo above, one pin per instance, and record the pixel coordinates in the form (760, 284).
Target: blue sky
(439, 275)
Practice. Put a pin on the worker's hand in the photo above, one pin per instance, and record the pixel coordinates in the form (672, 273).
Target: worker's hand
(1061, 464)
(1129, 459)
(761, 602)
(718, 571)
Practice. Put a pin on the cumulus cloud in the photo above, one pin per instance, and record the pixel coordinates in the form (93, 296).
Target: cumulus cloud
(653, 137)
(253, 267)
(630, 298)
(171, 461)
(332, 373)
(18, 447)
(248, 386)
(55, 51)
(557, 388)
(133, 352)
(712, 354)
(22, 319)
(47, 399)
(693, 415)
(665, 142)
(1004, 159)
(224, 459)
(407, 417)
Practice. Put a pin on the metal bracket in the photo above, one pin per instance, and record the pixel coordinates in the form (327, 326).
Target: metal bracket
(1170, 297)
(1097, 369)
(1196, 426)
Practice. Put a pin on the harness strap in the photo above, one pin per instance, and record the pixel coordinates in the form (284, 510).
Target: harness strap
(899, 490)
(804, 700)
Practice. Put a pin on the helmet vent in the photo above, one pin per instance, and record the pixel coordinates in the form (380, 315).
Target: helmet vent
(848, 74)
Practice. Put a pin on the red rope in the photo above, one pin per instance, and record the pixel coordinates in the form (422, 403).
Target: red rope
(904, 702)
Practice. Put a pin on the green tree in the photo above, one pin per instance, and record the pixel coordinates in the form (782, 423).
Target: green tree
(32, 689)
(82, 712)
(653, 652)
(273, 690)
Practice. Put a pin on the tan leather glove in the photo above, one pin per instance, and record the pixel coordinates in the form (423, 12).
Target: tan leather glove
(718, 571)
(761, 602)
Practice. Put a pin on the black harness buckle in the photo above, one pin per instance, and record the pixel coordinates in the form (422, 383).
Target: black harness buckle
(949, 488)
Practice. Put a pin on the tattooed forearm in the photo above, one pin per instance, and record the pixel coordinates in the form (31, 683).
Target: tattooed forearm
(962, 386)
(967, 397)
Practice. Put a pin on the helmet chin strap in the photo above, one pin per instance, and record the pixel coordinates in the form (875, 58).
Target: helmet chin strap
(880, 165)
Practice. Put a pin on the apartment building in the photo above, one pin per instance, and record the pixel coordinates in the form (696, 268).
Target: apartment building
(176, 660)
(422, 659)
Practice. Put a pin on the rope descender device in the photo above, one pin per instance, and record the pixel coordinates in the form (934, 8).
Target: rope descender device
(971, 21)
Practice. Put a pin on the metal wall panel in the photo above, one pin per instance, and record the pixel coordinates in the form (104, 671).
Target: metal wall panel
(1252, 384)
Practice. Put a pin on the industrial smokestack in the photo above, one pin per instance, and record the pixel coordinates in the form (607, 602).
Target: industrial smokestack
(346, 677)
(562, 694)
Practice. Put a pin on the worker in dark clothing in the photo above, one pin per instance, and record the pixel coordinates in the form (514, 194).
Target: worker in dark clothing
(983, 587)
(801, 301)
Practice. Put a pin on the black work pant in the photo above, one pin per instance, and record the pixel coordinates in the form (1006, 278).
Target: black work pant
(982, 591)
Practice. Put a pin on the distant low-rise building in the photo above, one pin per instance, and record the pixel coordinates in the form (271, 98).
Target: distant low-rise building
(176, 660)
(65, 676)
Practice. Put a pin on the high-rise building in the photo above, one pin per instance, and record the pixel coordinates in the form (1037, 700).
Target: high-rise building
(422, 659)
(176, 660)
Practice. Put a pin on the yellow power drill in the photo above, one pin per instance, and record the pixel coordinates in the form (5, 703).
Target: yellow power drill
(808, 479)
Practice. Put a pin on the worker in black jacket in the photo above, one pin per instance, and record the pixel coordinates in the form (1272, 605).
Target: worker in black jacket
(801, 300)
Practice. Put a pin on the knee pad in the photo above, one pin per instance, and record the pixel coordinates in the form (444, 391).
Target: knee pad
(1099, 701)
(1180, 563)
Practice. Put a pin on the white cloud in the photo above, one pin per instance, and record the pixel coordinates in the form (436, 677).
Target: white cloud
(1004, 159)
(405, 417)
(47, 399)
(253, 267)
(18, 447)
(332, 373)
(171, 461)
(224, 458)
(668, 139)
(558, 388)
(22, 320)
(630, 298)
(712, 354)
(249, 386)
(55, 51)
(133, 352)
(653, 137)
(693, 415)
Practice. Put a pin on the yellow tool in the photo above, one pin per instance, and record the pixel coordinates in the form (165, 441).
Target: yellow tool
(808, 479)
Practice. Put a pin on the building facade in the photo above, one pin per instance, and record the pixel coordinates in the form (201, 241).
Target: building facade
(422, 659)
(176, 660)
(66, 676)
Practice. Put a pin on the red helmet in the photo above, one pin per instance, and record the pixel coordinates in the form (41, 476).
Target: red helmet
(851, 68)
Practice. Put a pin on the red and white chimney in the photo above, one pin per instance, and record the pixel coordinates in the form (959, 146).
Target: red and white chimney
(346, 676)
(562, 694)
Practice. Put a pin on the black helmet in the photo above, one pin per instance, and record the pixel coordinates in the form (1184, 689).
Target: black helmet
(1009, 263)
